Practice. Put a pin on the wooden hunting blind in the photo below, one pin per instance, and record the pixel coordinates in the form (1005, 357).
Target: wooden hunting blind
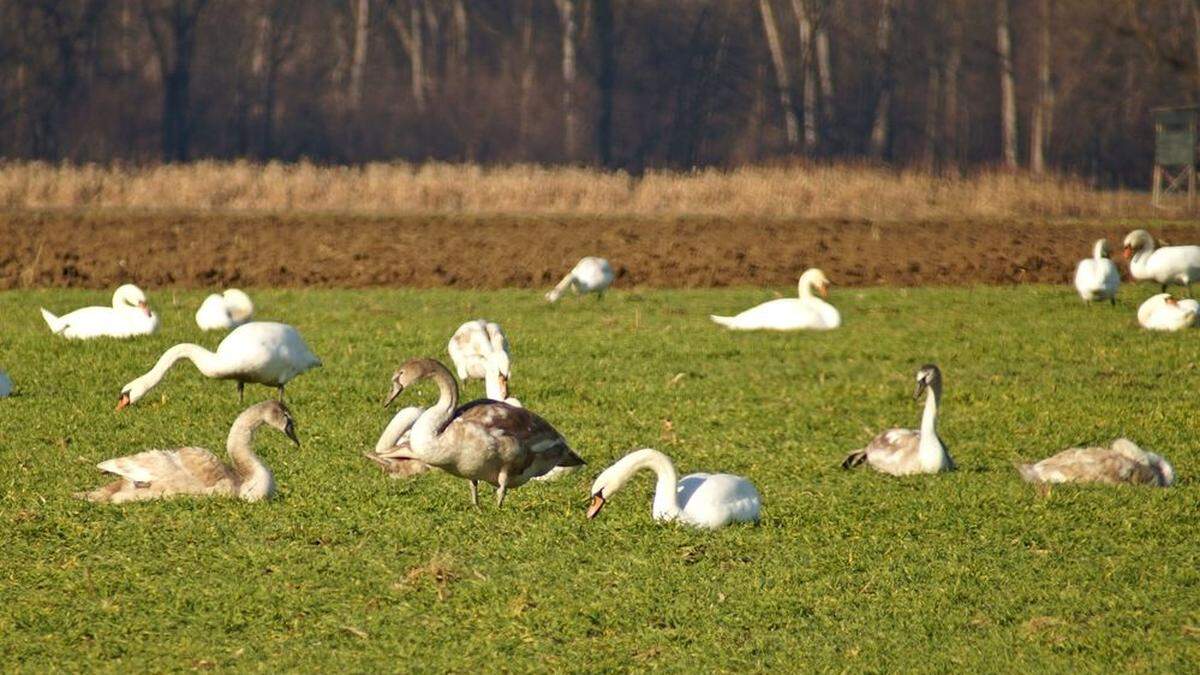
(1175, 151)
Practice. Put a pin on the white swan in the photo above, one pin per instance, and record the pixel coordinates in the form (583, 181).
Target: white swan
(260, 351)
(807, 311)
(1123, 462)
(393, 450)
(479, 350)
(223, 312)
(156, 474)
(1097, 278)
(129, 316)
(903, 452)
(1168, 265)
(6, 385)
(590, 275)
(1163, 312)
(707, 500)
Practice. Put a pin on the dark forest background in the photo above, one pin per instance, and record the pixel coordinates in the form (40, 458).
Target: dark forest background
(1064, 85)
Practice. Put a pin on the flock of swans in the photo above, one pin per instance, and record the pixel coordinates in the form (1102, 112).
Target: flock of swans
(496, 440)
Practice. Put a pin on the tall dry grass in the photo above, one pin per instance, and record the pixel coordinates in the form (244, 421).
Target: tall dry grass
(836, 191)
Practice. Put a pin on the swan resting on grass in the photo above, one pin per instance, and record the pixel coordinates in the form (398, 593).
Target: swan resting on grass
(805, 312)
(158, 474)
(226, 311)
(703, 500)
(1164, 312)
(262, 352)
(1121, 463)
(903, 452)
(129, 316)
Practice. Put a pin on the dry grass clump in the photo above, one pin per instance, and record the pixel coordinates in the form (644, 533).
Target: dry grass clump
(824, 191)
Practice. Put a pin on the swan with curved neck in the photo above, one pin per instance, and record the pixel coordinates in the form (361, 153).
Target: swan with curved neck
(479, 350)
(393, 450)
(157, 474)
(1097, 278)
(804, 312)
(225, 311)
(261, 352)
(902, 452)
(484, 440)
(590, 275)
(699, 499)
(1178, 265)
(129, 316)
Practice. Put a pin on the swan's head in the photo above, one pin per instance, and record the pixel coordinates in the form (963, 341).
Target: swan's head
(1137, 241)
(131, 296)
(238, 305)
(1101, 249)
(411, 371)
(276, 414)
(499, 368)
(552, 295)
(614, 477)
(929, 376)
(133, 392)
(815, 280)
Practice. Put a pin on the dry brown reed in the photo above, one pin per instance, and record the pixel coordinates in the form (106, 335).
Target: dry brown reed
(820, 191)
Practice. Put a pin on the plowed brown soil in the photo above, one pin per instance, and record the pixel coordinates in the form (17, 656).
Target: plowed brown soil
(99, 250)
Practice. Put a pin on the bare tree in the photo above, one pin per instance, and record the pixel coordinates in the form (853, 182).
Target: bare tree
(358, 54)
(881, 128)
(410, 31)
(950, 102)
(808, 71)
(525, 25)
(172, 28)
(1008, 93)
(570, 30)
(606, 79)
(1043, 110)
(824, 67)
(782, 80)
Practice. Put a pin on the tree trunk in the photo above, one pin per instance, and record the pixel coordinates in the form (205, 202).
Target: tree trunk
(358, 58)
(781, 73)
(933, 98)
(881, 128)
(527, 74)
(808, 71)
(825, 73)
(605, 80)
(950, 101)
(462, 40)
(566, 12)
(1008, 93)
(1040, 129)
(410, 35)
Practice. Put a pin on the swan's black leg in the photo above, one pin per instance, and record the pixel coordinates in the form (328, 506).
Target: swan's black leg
(281, 393)
(241, 392)
(1113, 301)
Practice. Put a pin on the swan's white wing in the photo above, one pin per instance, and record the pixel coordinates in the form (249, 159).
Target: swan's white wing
(213, 314)
(781, 314)
(715, 500)
(1175, 264)
(93, 322)
(185, 465)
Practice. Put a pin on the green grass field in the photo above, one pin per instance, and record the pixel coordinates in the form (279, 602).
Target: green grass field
(351, 570)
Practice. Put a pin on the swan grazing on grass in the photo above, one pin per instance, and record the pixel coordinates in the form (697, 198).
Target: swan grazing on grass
(479, 350)
(484, 440)
(707, 500)
(261, 352)
(6, 385)
(156, 474)
(223, 312)
(1123, 462)
(1097, 278)
(807, 311)
(129, 316)
(902, 452)
(1168, 265)
(1163, 312)
(590, 275)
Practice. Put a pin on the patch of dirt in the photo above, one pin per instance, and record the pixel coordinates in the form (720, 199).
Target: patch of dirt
(101, 250)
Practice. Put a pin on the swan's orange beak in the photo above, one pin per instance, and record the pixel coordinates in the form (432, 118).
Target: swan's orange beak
(1171, 301)
(597, 504)
(144, 307)
(503, 387)
(1128, 251)
(824, 290)
(123, 403)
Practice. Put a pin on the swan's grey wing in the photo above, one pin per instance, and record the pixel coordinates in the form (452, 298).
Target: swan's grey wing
(893, 449)
(528, 443)
(1093, 465)
(185, 465)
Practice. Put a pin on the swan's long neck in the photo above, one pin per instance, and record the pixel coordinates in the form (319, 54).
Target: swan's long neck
(666, 500)
(806, 290)
(1098, 251)
(255, 479)
(206, 362)
(930, 447)
(563, 285)
(424, 436)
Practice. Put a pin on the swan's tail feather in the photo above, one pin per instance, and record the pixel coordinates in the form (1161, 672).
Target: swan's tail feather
(571, 459)
(854, 459)
(1028, 473)
(397, 467)
(56, 324)
(727, 321)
